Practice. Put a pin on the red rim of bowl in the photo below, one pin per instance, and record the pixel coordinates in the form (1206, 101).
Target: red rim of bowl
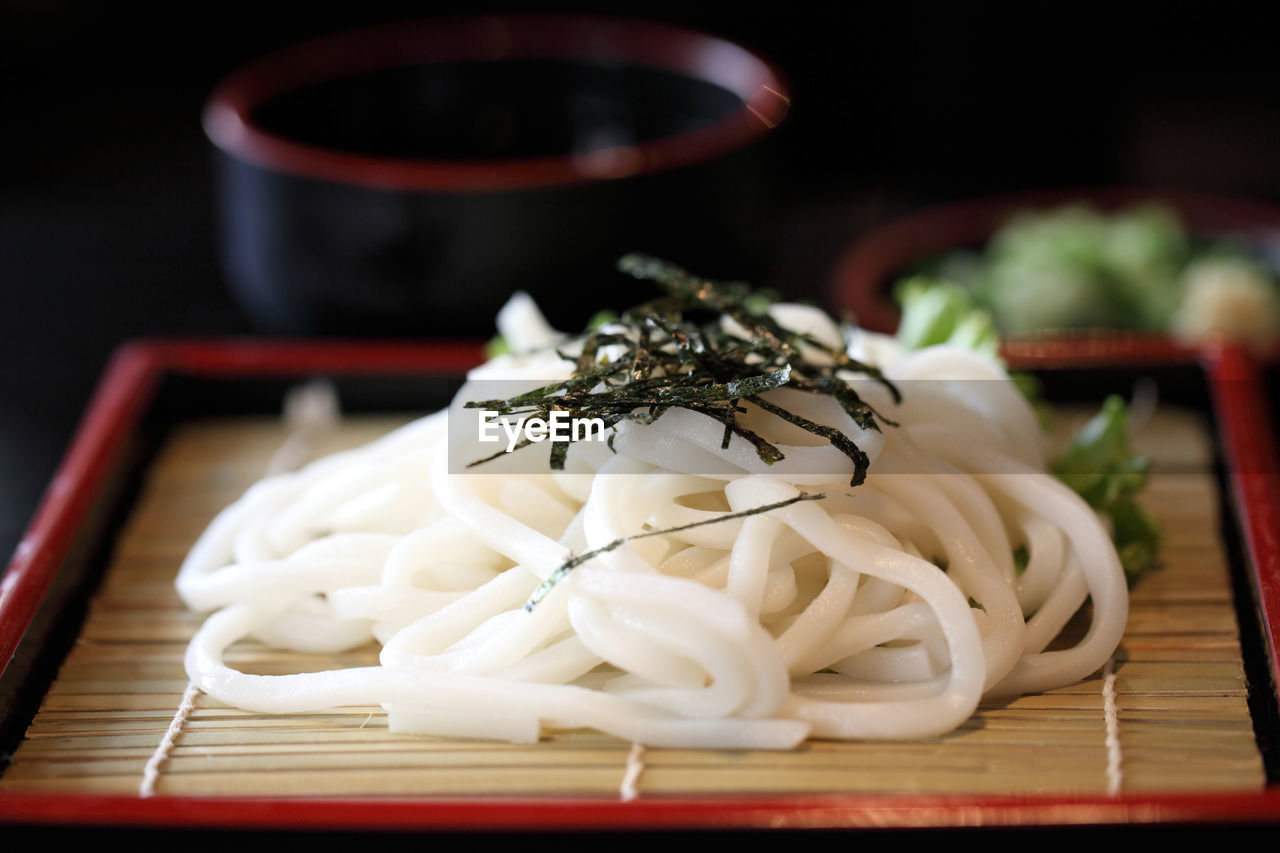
(228, 115)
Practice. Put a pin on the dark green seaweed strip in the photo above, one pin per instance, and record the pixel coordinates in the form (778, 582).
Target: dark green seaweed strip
(670, 355)
(573, 562)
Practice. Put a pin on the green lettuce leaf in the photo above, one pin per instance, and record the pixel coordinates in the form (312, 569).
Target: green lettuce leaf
(1137, 538)
(937, 311)
(1100, 467)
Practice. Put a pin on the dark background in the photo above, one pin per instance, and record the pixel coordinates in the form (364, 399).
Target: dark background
(105, 211)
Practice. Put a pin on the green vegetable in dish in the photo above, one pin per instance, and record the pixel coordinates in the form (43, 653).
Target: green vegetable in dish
(1074, 267)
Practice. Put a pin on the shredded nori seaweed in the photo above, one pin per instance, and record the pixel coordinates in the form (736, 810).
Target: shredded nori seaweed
(673, 352)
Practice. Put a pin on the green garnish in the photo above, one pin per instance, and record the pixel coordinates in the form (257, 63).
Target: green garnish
(936, 311)
(1137, 538)
(601, 318)
(1098, 465)
(1075, 267)
(674, 352)
(1101, 468)
(758, 302)
(497, 346)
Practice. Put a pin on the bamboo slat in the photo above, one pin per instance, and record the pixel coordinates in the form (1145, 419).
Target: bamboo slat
(1184, 722)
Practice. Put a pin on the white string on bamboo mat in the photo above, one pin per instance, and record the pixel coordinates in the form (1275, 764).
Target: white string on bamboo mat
(309, 410)
(1110, 717)
(635, 766)
(151, 772)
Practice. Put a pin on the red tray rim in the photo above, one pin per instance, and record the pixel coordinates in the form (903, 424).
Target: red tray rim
(134, 374)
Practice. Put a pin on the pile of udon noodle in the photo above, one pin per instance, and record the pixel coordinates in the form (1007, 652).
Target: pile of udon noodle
(887, 610)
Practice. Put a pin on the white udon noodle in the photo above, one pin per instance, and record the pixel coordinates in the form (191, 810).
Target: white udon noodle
(825, 618)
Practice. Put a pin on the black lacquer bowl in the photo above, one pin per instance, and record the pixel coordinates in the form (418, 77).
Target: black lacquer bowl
(405, 179)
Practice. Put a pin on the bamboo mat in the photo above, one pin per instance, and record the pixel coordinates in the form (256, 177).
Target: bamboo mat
(1183, 719)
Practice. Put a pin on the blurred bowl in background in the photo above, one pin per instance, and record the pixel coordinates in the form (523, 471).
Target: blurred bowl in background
(405, 179)
(863, 278)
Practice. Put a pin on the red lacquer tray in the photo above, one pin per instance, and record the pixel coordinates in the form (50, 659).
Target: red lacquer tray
(128, 393)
